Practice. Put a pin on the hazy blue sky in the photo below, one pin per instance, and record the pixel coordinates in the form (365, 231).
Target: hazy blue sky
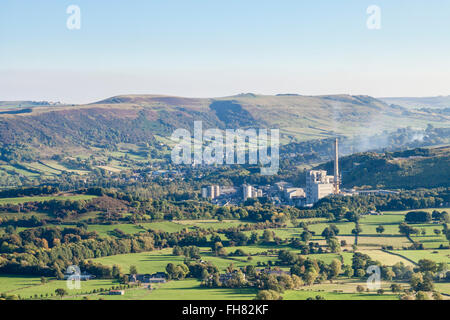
(207, 48)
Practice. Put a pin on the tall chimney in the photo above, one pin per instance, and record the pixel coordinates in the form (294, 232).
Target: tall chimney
(336, 167)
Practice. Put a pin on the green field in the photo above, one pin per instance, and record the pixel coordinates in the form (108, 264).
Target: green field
(13, 282)
(165, 226)
(370, 243)
(435, 255)
(45, 198)
(106, 230)
(183, 290)
(385, 258)
(146, 262)
(212, 224)
(28, 287)
(303, 295)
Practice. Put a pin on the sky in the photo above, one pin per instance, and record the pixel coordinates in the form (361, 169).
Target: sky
(210, 48)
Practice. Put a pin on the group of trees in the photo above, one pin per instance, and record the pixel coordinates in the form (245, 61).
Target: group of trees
(48, 251)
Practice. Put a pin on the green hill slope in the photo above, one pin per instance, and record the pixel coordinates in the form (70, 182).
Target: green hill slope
(422, 167)
(137, 118)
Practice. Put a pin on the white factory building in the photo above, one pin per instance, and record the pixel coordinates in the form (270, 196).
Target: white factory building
(210, 192)
(319, 184)
(250, 192)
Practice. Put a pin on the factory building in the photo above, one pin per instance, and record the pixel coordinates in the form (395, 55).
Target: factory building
(250, 192)
(319, 184)
(291, 193)
(210, 192)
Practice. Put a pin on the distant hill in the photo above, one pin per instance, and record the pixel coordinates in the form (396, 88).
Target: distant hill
(138, 118)
(421, 167)
(25, 104)
(418, 103)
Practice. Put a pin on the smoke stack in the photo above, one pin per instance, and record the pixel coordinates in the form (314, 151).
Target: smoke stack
(336, 167)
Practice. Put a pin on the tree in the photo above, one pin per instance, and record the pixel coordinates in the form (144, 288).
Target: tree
(356, 231)
(268, 295)
(133, 270)
(427, 265)
(348, 271)
(419, 282)
(335, 268)
(437, 296)
(311, 276)
(396, 288)
(306, 236)
(116, 271)
(380, 229)
(334, 245)
(61, 292)
(406, 229)
(267, 236)
(352, 216)
(330, 232)
(418, 217)
(421, 296)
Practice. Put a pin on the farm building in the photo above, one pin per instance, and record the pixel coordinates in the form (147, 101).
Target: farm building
(116, 292)
(158, 277)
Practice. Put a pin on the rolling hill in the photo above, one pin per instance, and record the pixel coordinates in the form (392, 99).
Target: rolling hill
(422, 102)
(416, 168)
(138, 118)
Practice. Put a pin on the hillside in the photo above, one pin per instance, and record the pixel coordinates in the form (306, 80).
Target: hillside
(45, 141)
(132, 119)
(422, 102)
(421, 167)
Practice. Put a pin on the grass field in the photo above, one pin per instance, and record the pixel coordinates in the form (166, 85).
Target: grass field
(384, 257)
(165, 226)
(107, 229)
(46, 198)
(29, 287)
(188, 289)
(443, 288)
(377, 241)
(156, 261)
(212, 224)
(12, 282)
(146, 262)
(435, 255)
(303, 295)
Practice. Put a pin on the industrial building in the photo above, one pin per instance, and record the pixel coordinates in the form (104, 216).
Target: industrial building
(250, 192)
(319, 184)
(291, 193)
(210, 192)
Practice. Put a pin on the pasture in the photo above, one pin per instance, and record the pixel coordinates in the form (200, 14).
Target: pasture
(45, 198)
(435, 255)
(32, 287)
(182, 290)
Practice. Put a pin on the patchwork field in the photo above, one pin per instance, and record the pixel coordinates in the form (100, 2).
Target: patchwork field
(41, 199)
(385, 257)
(211, 224)
(369, 242)
(32, 287)
(435, 255)
(183, 290)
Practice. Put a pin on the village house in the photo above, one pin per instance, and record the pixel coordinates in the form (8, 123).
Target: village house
(116, 292)
(158, 277)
